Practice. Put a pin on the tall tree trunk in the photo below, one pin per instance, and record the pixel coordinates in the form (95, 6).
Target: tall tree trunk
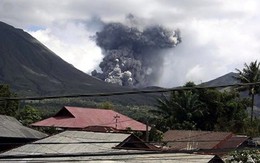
(252, 107)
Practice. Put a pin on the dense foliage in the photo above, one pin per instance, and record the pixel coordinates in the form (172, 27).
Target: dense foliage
(201, 109)
(250, 74)
(26, 115)
(209, 109)
(7, 107)
(244, 156)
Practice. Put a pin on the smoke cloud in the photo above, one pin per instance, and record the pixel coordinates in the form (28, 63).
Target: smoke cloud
(133, 56)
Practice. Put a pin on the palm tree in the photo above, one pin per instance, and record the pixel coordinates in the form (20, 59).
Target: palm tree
(181, 110)
(250, 74)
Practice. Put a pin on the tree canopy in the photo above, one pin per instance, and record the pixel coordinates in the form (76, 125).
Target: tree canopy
(202, 110)
(28, 115)
(250, 74)
(8, 107)
(25, 115)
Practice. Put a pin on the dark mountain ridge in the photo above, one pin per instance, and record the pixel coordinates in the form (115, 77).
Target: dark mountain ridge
(31, 69)
(229, 79)
(226, 79)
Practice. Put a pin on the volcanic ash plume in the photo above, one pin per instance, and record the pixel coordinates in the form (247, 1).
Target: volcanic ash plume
(133, 57)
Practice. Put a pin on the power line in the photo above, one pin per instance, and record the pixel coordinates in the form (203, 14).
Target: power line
(138, 91)
(121, 153)
(107, 142)
(114, 142)
(111, 94)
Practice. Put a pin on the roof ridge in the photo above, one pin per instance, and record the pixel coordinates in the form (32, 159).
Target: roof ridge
(87, 108)
(67, 109)
(78, 117)
(229, 136)
(207, 132)
(203, 133)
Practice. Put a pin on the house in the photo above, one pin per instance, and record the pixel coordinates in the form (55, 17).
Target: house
(13, 133)
(72, 142)
(91, 119)
(203, 141)
(135, 143)
(83, 146)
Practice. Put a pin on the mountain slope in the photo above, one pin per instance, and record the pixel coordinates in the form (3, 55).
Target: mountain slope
(228, 79)
(30, 68)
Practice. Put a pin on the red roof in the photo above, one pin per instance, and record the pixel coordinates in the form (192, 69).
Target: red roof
(80, 118)
(190, 140)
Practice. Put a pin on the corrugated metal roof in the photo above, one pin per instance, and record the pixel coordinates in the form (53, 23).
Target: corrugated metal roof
(77, 117)
(74, 137)
(131, 158)
(12, 128)
(190, 140)
(234, 142)
(155, 158)
(114, 155)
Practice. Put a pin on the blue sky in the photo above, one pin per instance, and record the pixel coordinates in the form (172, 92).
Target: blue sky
(218, 36)
(35, 28)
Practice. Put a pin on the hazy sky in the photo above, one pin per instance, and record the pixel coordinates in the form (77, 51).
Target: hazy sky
(217, 35)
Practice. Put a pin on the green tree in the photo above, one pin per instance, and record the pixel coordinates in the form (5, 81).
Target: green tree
(226, 110)
(248, 155)
(181, 111)
(232, 114)
(190, 84)
(206, 109)
(7, 107)
(211, 98)
(28, 115)
(106, 105)
(250, 74)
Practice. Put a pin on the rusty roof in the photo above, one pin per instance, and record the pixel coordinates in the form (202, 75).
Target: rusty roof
(82, 146)
(80, 118)
(191, 140)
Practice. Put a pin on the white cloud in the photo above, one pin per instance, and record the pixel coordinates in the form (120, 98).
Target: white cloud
(195, 74)
(72, 42)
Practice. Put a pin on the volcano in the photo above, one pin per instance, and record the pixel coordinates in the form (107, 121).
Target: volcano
(31, 69)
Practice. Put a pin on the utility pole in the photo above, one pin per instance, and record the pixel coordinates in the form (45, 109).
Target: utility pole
(147, 132)
(116, 117)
